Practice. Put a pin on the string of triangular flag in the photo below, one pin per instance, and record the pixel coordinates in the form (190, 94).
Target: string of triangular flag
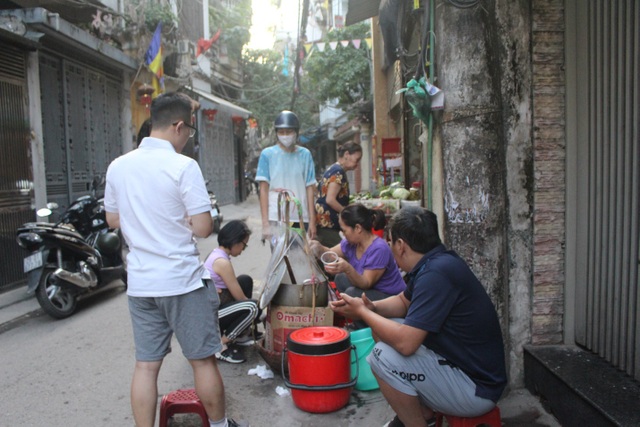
(320, 46)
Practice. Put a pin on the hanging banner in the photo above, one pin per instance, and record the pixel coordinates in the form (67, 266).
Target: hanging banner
(153, 60)
(320, 46)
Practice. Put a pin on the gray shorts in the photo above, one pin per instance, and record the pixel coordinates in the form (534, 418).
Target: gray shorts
(193, 317)
(440, 387)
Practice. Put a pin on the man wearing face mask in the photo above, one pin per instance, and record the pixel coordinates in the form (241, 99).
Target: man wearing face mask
(286, 166)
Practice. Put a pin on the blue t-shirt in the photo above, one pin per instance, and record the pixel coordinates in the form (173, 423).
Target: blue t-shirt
(378, 255)
(291, 171)
(449, 302)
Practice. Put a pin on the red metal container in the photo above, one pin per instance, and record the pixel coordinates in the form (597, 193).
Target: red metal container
(319, 362)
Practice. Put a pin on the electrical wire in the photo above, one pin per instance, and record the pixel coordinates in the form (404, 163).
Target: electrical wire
(426, 31)
(267, 91)
(463, 4)
(278, 86)
(266, 95)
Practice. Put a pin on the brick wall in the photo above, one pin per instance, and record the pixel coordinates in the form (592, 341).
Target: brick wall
(549, 171)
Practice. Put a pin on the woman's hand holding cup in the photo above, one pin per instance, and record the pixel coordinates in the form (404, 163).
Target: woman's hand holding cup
(331, 262)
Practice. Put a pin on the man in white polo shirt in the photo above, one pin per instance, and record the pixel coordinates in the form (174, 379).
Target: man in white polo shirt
(158, 198)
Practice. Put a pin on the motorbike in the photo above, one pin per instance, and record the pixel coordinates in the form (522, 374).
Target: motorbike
(216, 213)
(73, 257)
(250, 183)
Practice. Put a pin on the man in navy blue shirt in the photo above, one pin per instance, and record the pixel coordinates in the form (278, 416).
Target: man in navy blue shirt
(440, 345)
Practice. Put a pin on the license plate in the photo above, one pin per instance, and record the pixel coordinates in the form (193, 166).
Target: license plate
(214, 212)
(32, 262)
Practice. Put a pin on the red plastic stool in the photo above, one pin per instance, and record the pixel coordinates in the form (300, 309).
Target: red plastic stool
(182, 402)
(491, 419)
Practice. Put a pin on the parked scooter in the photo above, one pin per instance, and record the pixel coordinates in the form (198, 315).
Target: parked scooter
(216, 213)
(73, 257)
(250, 183)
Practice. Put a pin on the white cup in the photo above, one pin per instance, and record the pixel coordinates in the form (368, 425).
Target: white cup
(329, 257)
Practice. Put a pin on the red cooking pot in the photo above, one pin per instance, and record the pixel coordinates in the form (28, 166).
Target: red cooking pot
(319, 362)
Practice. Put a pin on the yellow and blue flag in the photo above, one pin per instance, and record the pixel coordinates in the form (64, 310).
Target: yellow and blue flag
(153, 59)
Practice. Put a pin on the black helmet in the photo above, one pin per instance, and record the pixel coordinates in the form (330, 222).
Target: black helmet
(108, 243)
(287, 120)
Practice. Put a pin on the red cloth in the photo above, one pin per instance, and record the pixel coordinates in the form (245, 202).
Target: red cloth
(204, 45)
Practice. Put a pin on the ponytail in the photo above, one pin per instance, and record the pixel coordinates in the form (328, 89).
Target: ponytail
(379, 219)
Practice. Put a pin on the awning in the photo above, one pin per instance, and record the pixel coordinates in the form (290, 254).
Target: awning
(18, 39)
(222, 103)
(359, 10)
(315, 134)
(61, 36)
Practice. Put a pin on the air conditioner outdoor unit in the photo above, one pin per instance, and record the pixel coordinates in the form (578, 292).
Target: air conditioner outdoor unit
(186, 47)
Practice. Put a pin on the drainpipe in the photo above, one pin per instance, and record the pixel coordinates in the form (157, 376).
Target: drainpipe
(429, 177)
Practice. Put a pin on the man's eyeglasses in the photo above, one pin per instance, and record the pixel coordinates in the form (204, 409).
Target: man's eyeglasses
(244, 246)
(192, 130)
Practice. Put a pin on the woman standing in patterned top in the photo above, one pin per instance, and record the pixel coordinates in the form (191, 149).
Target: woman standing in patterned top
(333, 194)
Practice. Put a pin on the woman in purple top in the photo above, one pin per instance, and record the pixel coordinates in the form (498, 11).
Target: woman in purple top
(365, 262)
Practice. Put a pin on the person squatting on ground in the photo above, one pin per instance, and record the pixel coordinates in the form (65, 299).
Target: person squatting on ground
(238, 312)
(286, 166)
(158, 198)
(365, 262)
(333, 193)
(447, 355)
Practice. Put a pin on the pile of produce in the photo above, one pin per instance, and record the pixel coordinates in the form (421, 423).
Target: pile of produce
(393, 191)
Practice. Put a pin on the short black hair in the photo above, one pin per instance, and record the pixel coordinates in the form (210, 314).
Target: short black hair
(233, 232)
(144, 131)
(169, 108)
(418, 227)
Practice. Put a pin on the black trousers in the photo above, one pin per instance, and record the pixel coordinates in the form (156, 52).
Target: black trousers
(234, 316)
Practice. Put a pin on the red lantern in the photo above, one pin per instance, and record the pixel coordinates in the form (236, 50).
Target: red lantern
(237, 119)
(144, 93)
(210, 113)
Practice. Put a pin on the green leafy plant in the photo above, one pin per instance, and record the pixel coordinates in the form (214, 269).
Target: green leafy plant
(155, 13)
(267, 91)
(343, 73)
(234, 23)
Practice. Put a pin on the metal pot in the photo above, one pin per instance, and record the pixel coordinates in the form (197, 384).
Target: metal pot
(301, 295)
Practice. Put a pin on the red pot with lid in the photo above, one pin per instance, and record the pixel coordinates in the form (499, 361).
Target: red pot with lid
(319, 362)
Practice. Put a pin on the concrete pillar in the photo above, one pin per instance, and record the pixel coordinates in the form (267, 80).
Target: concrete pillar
(35, 120)
(366, 163)
(483, 63)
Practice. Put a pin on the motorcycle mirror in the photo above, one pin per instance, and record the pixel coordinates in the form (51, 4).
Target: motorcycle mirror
(52, 206)
(43, 212)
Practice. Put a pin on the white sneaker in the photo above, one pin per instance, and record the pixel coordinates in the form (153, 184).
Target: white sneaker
(230, 356)
(247, 340)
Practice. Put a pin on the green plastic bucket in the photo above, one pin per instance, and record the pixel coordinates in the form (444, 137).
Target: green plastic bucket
(363, 342)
